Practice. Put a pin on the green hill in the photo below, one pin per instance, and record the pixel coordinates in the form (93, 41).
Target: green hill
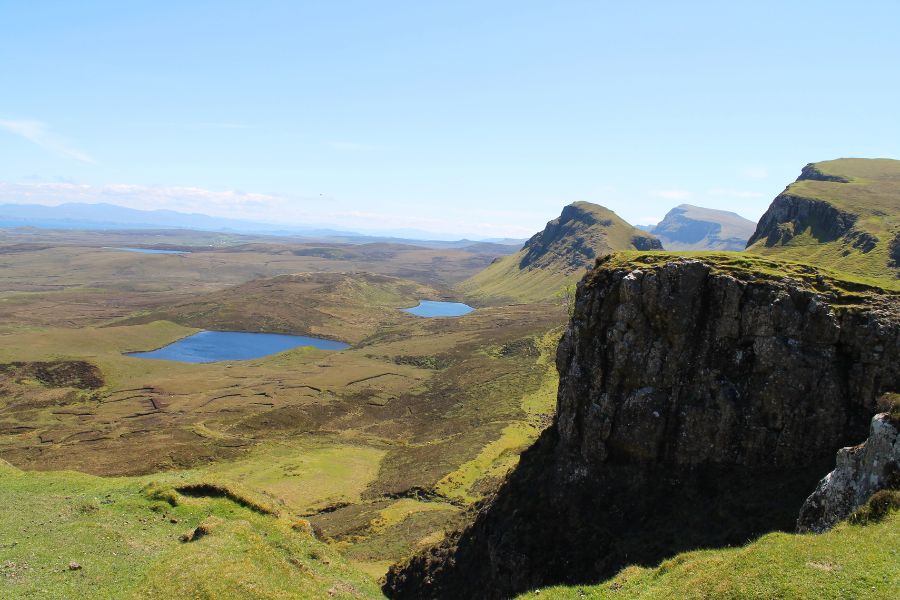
(70, 535)
(557, 256)
(688, 227)
(841, 214)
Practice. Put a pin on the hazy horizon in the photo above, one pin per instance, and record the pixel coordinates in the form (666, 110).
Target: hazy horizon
(458, 120)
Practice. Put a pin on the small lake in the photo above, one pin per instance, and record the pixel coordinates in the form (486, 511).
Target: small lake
(150, 250)
(212, 346)
(432, 308)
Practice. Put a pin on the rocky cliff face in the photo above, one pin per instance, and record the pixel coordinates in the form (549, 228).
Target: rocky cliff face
(790, 215)
(698, 406)
(860, 472)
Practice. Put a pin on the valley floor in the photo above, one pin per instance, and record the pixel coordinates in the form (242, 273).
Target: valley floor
(381, 447)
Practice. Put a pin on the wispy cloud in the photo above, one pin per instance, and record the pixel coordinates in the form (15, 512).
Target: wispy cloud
(38, 132)
(732, 193)
(752, 172)
(221, 126)
(672, 194)
(351, 146)
(274, 208)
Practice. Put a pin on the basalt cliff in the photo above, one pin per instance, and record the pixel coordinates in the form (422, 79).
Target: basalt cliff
(700, 402)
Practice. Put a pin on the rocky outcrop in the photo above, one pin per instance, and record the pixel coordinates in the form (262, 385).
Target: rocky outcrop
(860, 472)
(790, 215)
(697, 407)
(894, 252)
(812, 172)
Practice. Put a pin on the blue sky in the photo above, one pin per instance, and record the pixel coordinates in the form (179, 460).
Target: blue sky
(476, 118)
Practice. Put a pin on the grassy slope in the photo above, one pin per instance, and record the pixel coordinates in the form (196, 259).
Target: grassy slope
(850, 561)
(498, 457)
(127, 545)
(872, 194)
(506, 280)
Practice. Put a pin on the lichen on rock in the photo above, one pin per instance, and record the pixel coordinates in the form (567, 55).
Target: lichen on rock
(861, 471)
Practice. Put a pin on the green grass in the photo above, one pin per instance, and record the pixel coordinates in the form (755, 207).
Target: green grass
(505, 281)
(851, 562)
(747, 265)
(498, 457)
(124, 535)
(304, 475)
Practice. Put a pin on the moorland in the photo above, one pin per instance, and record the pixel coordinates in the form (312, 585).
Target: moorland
(380, 447)
(484, 455)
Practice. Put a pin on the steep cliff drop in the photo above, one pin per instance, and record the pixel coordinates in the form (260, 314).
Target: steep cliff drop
(700, 402)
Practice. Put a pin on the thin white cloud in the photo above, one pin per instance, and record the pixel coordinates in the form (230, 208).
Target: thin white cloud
(672, 194)
(648, 220)
(221, 126)
(38, 132)
(752, 172)
(732, 193)
(351, 146)
(272, 208)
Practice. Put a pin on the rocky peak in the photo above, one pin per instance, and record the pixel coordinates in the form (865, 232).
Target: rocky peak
(557, 256)
(582, 232)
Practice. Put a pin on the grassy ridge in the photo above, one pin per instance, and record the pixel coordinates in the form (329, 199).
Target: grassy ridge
(848, 562)
(70, 535)
(744, 264)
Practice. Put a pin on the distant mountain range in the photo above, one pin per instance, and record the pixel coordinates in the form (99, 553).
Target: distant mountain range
(113, 217)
